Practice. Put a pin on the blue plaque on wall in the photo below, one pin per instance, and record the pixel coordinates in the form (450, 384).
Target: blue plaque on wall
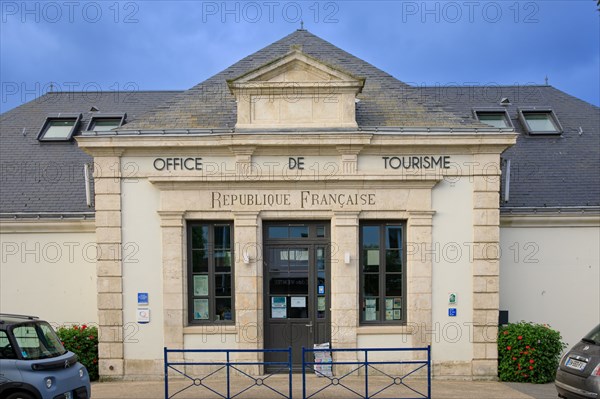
(142, 298)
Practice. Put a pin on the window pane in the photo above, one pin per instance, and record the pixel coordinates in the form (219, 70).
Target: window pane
(393, 260)
(223, 284)
(371, 260)
(320, 258)
(3, 339)
(298, 285)
(279, 285)
(6, 349)
(104, 124)
(288, 285)
(393, 285)
(298, 307)
(298, 231)
(298, 260)
(321, 280)
(222, 237)
(37, 341)
(493, 119)
(278, 232)
(370, 236)
(371, 285)
(199, 237)
(321, 307)
(393, 237)
(393, 308)
(320, 231)
(222, 261)
(223, 311)
(201, 309)
(540, 122)
(371, 311)
(199, 262)
(59, 129)
(200, 285)
(278, 260)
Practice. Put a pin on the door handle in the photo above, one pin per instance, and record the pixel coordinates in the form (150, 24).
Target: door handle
(310, 326)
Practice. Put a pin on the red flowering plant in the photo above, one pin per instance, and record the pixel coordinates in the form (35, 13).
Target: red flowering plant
(528, 352)
(83, 341)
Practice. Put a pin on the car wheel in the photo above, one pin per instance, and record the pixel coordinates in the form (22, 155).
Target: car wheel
(20, 395)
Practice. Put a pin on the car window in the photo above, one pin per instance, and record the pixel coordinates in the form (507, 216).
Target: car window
(6, 349)
(37, 341)
(594, 335)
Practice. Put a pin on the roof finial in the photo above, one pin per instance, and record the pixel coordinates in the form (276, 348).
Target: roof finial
(51, 87)
(546, 79)
(301, 24)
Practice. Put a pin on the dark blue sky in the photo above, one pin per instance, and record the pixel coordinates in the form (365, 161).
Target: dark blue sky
(160, 45)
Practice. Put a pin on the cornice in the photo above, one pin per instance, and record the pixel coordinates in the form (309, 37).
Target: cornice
(549, 220)
(47, 226)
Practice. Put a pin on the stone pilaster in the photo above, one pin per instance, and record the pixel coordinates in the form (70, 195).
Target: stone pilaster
(486, 251)
(345, 283)
(248, 276)
(109, 266)
(248, 284)
(420, 274)
(172, 229)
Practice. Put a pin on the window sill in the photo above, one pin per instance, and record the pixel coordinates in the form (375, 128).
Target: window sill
(211, 329)
(377, 330)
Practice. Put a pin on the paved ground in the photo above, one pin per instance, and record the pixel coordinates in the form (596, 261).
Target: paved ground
(440, 389)
(537, 391)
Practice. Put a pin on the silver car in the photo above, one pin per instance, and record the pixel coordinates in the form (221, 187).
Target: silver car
(578, 374)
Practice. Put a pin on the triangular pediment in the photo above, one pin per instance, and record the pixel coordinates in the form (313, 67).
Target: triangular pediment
(296, 91)
(296, 71)
(298, 68)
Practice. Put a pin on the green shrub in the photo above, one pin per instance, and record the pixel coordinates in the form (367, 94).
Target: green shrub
(528, 352)
(83, 341)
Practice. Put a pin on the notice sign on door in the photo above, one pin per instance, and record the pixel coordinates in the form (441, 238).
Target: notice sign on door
(278, 307)
(298, 302)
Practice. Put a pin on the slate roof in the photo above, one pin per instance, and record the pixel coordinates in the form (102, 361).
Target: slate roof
(385, 101)
(546, 171)
(48, 176)
(549, 171)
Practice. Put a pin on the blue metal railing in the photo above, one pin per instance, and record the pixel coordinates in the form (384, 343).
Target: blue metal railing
(227, 365)
(362, 369)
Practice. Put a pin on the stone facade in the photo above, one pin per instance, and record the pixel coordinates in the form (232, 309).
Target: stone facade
(346, 177)
(398, 197)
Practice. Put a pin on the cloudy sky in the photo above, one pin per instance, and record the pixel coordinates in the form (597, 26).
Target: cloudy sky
(166, 45)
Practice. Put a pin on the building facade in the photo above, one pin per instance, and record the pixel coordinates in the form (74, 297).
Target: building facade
(300, 196)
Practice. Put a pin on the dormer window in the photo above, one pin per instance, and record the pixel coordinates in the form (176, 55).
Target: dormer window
(104, 123)
(540, 121)
(494, 117)
(59, 128)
